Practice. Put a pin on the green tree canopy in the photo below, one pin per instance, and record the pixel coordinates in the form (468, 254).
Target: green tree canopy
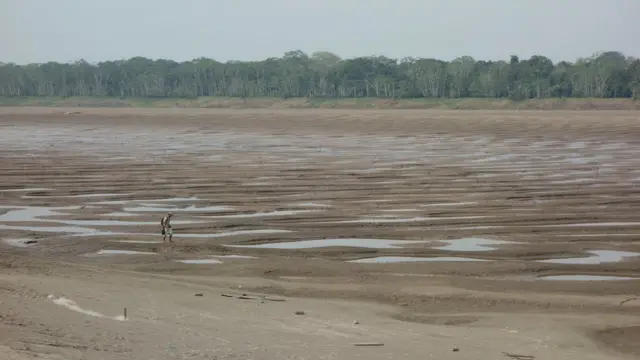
(325, 75)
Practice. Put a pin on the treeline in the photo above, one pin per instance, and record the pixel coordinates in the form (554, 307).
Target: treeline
(325, 75)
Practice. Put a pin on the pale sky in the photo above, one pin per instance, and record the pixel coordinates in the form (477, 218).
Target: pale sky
(97, 30)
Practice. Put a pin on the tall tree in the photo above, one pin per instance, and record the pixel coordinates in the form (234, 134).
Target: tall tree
(324, 74)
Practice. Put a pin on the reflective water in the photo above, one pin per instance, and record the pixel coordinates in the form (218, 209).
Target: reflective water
(93, 232)
(471, 244)
(122, 252)
(264, 214)
(200, 261)
(120, 214)
(381, 220)
(177, 210)
(25, 189)
(36, 214)
(599, 257)
(591, 224)
(74, 196)
(384, 219)
(173, 199)
(137, 241)
(81, 231)
(451, 204)
(31, 213)
(586, 278)
(152, 202)
(121, 223)
(312, 204)
(307, 244)
(401, 259)
(235, 256)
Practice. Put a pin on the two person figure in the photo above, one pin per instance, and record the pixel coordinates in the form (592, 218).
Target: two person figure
(166, 227)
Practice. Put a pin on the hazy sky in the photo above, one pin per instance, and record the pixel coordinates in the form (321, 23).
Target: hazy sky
(95, 30)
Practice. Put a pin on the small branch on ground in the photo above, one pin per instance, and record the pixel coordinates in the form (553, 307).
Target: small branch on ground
(247, 297)
(627, 300)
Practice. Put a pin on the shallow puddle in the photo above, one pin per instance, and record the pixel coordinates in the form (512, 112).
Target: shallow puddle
(599, 257)
(389, 182)
(27, 214)
(200, 261)
(181, 235)
(577, 161)
(585, 278)
(74, 196)
(312, 204)
(451, 204)
(495, 158)
(570, 181)
(264, 214)
(121, 223)
(35, 214)
(172, 206)
(308, 244)
(112, 202)
(25, 189)
(172, 199)
(143, 202)
(401, 259)
(54, 229)
(594, 235)
(122, 252)
(576, 145)
(471, 244)
(235, 256)
(382, 220)
(137, 241)
(32, 213)
(590, 224)
(145, 208)
(241, 232)
(120, 214)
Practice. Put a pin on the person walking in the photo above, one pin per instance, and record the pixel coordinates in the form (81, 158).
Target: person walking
(166, 227)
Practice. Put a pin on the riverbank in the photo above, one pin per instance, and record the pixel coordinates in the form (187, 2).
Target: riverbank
(301, 103)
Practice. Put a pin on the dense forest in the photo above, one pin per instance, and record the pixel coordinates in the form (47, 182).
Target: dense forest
(325, 75)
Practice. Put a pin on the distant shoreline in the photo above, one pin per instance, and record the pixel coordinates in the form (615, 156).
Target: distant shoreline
(346, 103)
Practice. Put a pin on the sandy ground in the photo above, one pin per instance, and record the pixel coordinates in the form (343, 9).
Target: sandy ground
(78, 183)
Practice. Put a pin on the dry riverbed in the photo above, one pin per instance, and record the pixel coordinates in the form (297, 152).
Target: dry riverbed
(501, 234)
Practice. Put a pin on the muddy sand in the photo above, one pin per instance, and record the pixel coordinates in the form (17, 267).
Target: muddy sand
(499, 234)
